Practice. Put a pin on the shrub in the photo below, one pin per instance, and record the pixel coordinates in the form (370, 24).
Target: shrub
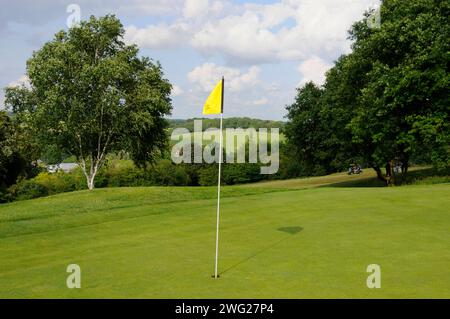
(168, 174)
(120, 173)
(5, 196)
(61, 182)
(28, 189)
(207, 175)
(241, 173)
(231, 174)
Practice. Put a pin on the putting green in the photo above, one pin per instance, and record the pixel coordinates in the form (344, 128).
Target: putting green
(274, 243)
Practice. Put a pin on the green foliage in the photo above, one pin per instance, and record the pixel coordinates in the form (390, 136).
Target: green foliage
(91, 94)
(28, 189)
(231, 174)
(290, 167)
(45, 184)
(167, 174)
(124, 173)
(305, 130)
(10, 163)
(61, 182)
(231, 122)
(15, 155)
(387, 102)
(404, 106)
(241, 173)
(51, 155)
(163, 172)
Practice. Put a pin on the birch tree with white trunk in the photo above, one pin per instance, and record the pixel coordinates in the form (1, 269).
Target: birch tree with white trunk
(90, 94)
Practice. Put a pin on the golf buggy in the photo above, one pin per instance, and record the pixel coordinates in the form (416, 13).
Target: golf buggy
(354, 169)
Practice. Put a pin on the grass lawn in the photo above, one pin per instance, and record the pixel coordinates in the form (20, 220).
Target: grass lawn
(278, 240)
(206, 139)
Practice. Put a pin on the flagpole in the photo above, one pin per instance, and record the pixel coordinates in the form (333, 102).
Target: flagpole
(218, 183)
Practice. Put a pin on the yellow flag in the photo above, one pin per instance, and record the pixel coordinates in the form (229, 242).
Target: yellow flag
(214, 103)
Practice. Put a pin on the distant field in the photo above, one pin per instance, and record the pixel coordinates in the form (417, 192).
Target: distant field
(286, 239)
(200, 136)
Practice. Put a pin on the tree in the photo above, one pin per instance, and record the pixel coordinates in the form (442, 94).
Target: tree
(317, 128)
(90, 94)
(14, 160)
(404, 106)
(304, 130)
(387, 101)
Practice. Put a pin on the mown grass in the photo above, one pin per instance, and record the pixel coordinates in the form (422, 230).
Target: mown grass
(241, 139)
(366, 178)
(287, 239)
(82, 208)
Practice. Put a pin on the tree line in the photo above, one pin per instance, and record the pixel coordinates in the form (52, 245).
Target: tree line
(229, 122)
(386, 104)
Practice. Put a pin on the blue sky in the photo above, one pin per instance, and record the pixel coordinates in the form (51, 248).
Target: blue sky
(265, 49)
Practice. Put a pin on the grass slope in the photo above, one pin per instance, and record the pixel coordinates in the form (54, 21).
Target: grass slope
(277, 241)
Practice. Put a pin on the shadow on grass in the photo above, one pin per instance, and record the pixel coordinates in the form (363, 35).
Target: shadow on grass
(364, 182)
(420, 176)
(290, 230)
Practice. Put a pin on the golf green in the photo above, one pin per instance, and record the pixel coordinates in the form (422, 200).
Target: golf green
(275, 242)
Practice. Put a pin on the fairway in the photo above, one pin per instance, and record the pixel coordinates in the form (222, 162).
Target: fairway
(276, 242)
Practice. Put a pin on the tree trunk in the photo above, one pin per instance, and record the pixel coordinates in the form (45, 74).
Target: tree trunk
(405, 167)
(90, 175)
(380, 175)
(97, 159)
(389, 178)
(90, 182)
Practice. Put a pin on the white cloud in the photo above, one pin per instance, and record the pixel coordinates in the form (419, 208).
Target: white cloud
(242, 32)
(141, 7)
(260, 33)
(237, 38)
(195, 8)
(313, 69)
(245, 35)
(282, 31)
(23, 80)
(176, 90)
(261, 101)
(157, 36)
(245, 91)
(270, 15)
(40, 12)
(207, 75)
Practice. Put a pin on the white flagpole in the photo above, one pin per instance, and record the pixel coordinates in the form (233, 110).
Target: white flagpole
(218, 186)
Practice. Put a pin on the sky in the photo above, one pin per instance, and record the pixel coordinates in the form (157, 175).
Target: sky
(265, 49)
